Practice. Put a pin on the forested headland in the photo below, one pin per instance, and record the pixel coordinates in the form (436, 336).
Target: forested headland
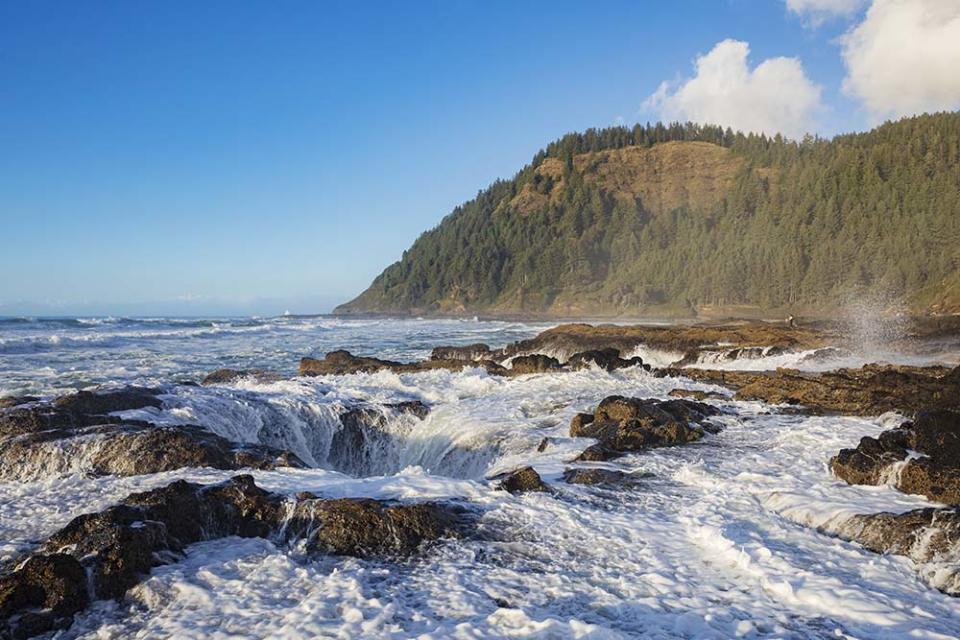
(681, 219)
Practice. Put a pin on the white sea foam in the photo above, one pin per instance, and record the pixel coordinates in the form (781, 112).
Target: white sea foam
(716, 539)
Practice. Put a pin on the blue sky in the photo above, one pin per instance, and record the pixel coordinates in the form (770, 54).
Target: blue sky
(226, 157)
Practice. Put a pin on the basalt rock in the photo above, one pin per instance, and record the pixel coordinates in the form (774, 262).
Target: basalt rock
(631, 424)
(363, 527)
(696, 394)
(591, 476)
(103, 402)
(42, 595)
(13, 401)
(81, 409)
(113, 550)
(934, 473)
(923, 535)
(130, 448)
(534, 363)
(870, 390)
(597, 453)
(229, 376)
(607, 359)
(468, 353)
(524, 480)
(681, 339)
(343, 363)
(355, 448)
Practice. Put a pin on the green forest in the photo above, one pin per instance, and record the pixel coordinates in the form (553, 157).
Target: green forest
(680, 218)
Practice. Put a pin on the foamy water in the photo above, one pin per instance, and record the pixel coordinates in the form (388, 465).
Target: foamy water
(716, 539)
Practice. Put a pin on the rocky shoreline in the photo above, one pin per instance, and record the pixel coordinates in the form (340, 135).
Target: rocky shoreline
(101, 555)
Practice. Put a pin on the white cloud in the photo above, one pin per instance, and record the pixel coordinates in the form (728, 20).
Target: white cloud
(775, 97)
(904, 58)
(817, 11)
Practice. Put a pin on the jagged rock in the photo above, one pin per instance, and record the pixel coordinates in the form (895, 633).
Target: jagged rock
(356, 447)
(42, 595)
(362, 527)
(523, 480)
(936, 474)
(691, 340)
(597, 453)
(867, 463)
(607, 359)
(413, 407)
(343, 363)
(114, 549)
(631, 424)
(13, 401)
(593, 476)
(229, 376)
(81, 409)
(468, 353)
(696, 394)
(130, 448)
(103, 402)
(533, 363)
(870, 390)
(932, 477)
(923, 535)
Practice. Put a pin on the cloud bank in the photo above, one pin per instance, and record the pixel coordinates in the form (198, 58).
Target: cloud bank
(904, 58)
(775, 97)
(818, 11)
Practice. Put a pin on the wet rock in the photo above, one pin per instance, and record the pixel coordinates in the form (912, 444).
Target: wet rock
(229, 376)
(468, 353)
(597, 453)
(868, 462)
(104, 402)
(607, 359)
(13, 401)
(362, 527)
(590, 476)
(544, 443)
(343, 363)
(870, 390)
(113, 550)
(411, 407)
(631, 424)
(81, 409)
(42, 595)
(130, 448)
(574, 338)
(937, 434)
(119, 545)
(934, 473)
(932, 477)
(696, 394)
(358, 446)
(533, 363)
(923, 535)
(523, 480)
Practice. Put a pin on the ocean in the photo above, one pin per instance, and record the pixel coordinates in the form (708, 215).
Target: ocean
(727, 537)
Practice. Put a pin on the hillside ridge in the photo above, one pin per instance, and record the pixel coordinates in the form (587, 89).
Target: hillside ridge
(685, 219)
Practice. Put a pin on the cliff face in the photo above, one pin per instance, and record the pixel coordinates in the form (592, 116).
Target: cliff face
(669, 221)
